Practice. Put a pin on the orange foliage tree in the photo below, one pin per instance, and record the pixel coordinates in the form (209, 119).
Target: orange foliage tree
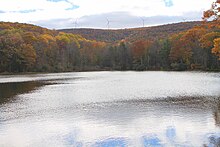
(181, 52)
(140, 49)
(213, 12)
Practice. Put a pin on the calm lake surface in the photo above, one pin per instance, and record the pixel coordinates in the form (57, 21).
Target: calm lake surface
(110, 109)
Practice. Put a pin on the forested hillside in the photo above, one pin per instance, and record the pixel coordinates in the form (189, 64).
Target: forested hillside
(25, 47)
(155, 32)
(29, 48)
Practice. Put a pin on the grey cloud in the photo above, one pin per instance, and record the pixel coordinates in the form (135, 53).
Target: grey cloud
(22, 11)
(193, 15)
(2, 11)
(26, 11)
(57, 0)
(117, 20)
(55, 23)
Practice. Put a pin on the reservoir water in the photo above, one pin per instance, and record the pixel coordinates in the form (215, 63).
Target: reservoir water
(110, 109)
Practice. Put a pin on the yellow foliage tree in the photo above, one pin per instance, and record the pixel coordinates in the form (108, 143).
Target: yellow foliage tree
(216, 48)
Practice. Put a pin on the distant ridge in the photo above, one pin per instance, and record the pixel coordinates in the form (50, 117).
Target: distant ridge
(154, 32)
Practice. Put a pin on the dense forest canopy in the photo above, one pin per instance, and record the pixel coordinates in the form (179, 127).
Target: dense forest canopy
(25, 47)
(155, 32)
(183, 46)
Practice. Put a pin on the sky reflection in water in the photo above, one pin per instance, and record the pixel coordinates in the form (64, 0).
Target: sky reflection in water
(92, 109)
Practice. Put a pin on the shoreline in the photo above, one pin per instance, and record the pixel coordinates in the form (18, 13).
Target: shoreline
(25, 73)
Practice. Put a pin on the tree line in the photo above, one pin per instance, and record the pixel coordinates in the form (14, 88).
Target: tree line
(51, 51)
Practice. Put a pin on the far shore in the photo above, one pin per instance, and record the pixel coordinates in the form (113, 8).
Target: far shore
(25, 73)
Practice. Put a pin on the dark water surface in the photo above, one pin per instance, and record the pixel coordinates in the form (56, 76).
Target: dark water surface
(110, 109)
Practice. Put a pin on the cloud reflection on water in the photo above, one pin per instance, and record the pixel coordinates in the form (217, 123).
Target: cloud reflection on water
(91, 109)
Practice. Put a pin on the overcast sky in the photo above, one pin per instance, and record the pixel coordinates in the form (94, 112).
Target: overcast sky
(57, 14)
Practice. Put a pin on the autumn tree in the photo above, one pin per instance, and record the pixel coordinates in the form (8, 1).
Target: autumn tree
(140, 52)
(164, 53)
(110, 58)
(216, 48)
(213, 12)
(18, 54)
(180, 53)
(28, 56)
(124, 55)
